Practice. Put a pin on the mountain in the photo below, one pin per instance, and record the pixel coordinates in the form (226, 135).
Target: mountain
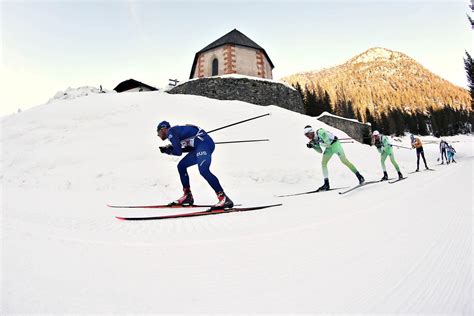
(381, 79)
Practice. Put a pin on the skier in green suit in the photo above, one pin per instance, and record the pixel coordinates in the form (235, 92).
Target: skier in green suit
(385, 149)
(321, 137)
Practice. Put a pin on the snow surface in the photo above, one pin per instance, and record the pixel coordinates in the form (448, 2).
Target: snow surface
(385, 248)
(72, 93)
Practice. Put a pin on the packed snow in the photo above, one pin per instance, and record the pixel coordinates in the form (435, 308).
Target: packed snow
(72, 93)
(384, 248)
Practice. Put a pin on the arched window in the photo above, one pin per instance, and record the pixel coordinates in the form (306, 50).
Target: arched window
(215, 67)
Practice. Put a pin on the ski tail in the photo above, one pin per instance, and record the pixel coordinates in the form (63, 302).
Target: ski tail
(200, 213)
(359, 186)
(310, 192)
(398, 180)
(160, 206)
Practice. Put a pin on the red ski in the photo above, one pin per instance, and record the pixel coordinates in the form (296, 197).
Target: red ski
(158, 206)
(200, 213)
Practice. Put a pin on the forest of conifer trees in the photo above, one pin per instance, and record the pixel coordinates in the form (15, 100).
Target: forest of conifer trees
(438, 122)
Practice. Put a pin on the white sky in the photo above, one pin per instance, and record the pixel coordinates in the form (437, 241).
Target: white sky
(47, 46)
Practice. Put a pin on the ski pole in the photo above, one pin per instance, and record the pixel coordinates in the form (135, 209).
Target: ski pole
(252, 118)
(401, 147)
(347, 142)
(243, 141)
(243, 121)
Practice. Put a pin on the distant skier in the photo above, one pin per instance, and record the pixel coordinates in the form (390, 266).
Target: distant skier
(385, 149)
(443, 146)
(416, 143)
(324, 138)
(451, 152)
(200, 146)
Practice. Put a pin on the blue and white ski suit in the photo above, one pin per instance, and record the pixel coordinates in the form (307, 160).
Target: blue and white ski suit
(201, 147)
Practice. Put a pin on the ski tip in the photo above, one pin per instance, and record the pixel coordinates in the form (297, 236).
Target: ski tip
(120, 218)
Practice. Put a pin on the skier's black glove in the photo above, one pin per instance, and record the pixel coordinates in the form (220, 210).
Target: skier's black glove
(166, 149)
(186, 149)
(309, 145)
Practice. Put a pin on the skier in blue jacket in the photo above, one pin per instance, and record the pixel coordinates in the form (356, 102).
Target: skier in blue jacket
(200, 146)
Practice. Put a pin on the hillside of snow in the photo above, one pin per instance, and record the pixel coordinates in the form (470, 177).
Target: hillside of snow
(384, 248)
(72, 93)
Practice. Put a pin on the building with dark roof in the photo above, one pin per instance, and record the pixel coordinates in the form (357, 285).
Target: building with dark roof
(132, 85)
(233, 53)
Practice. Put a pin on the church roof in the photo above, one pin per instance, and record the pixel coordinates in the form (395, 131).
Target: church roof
(233, 37)
(131, 84)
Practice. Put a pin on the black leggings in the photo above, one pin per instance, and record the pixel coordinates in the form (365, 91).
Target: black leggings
(443, 155)
(420, 151)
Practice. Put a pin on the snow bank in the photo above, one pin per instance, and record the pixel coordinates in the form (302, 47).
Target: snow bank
(401, 248)
(72, 93)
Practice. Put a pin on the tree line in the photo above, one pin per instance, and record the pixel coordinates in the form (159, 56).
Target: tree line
(439, 122)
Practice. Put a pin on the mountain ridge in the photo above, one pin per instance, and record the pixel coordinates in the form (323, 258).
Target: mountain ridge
(380, 79)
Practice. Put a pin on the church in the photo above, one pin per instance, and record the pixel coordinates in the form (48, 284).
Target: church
(233, 53)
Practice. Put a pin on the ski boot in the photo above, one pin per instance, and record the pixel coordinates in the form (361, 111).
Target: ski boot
(400, 175)
(325, 186)
(385, 176)
(186, 200)
(360, 177)
(224, 202)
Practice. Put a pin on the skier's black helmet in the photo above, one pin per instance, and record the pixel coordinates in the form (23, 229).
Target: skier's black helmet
(163, 124)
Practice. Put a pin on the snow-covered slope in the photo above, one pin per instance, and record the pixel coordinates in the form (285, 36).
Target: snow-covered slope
(386, 248)
(72, 93)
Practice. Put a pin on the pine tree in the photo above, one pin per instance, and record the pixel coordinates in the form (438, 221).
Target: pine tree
(393, 122)
(298, 88)
(358, 115)
(411, 122)
(421, 122)
(350, 110)
(470, 77)
(327, 102)
(319, 104)
(311, 103)
(371, 119)
(384, 124)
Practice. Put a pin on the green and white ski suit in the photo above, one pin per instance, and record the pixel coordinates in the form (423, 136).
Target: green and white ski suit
(385, 149)
(333, 146)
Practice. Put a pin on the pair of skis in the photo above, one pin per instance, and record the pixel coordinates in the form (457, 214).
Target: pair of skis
(429, 169)
(228, 210)
(190, 214)
(311, 192)
(391, 181)
(346, 191)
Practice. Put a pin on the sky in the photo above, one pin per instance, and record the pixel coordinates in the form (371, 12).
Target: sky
(48, 46)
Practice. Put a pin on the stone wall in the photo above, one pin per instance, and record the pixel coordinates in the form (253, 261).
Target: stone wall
(259, 92)
(359, 131)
